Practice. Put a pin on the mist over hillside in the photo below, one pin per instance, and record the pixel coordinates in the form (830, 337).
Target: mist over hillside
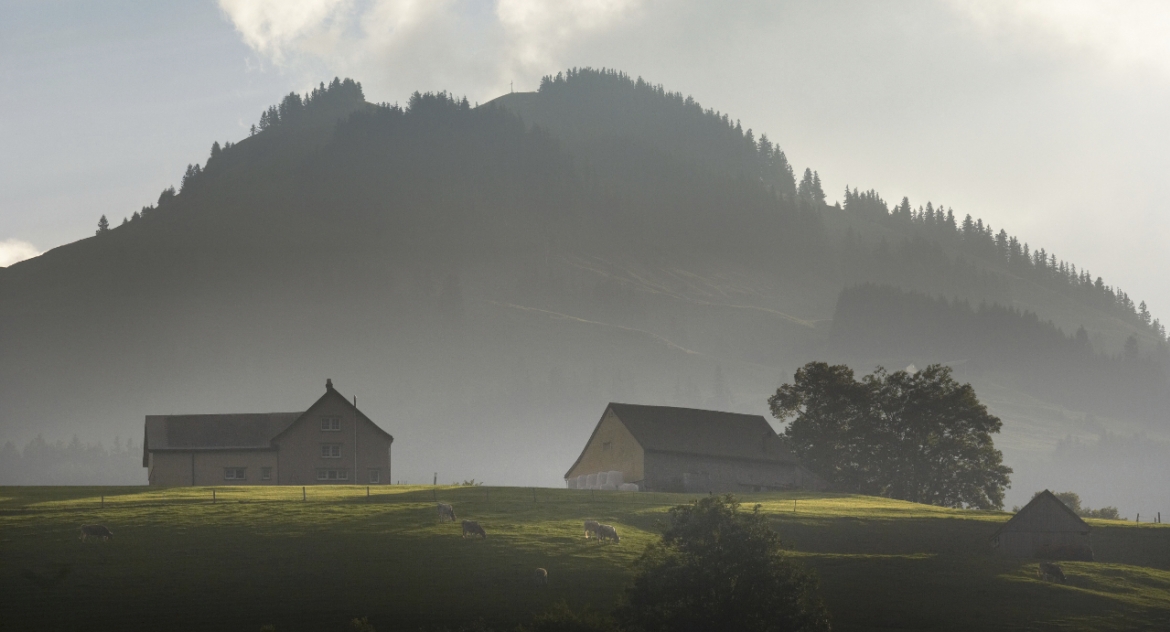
(484, 279)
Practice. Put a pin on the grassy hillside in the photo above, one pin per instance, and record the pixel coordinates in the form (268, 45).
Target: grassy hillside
(263, 556)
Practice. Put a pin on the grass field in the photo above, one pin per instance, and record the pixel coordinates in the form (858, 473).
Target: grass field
(261, 556)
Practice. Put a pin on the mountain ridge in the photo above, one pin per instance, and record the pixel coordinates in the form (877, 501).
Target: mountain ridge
(488, 263)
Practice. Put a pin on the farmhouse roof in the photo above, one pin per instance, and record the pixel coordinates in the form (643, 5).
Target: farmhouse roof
(235, 431)
(702, 432)
(215, 432)
(1045, 513)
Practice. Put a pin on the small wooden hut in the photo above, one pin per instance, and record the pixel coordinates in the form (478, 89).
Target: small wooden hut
(1045, 528)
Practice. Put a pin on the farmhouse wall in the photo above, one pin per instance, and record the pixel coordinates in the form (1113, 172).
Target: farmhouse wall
(300, 453)
(667, 471)
(169, 469)
(611, 447)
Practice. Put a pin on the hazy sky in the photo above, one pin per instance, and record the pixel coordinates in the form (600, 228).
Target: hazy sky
(1045, 117)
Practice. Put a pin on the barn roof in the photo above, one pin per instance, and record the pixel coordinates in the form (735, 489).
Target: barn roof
(1045, 513)
(702, 432)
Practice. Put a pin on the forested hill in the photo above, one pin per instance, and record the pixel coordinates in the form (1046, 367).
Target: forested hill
(490, 276)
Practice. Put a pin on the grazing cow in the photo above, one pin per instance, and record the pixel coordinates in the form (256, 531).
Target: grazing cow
(590, 527)
(95, 531)
(540, 577)
(472, 528)
(1050, 572)
(606, 532)
(446, 513)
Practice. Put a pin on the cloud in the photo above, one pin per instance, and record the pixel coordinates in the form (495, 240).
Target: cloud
(1130, 35)
(397, 46)
(15, 250)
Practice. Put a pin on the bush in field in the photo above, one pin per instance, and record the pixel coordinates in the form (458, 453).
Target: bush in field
(719, 568)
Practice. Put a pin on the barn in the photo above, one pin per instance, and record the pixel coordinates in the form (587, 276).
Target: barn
(1045, 528)
(330, 443)
(662, 448)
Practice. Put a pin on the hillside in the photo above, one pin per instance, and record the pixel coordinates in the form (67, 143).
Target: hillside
(181, 562)
(486, 278)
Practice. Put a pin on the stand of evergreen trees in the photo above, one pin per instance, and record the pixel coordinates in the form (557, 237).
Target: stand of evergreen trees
(72, 462)
(979, 239)
(883, 322)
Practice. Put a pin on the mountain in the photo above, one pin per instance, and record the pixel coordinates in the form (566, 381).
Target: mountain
(485, 279)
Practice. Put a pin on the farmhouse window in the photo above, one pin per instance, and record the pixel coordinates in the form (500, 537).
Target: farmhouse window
(331, 450)
(266, 473)
(333, 475)
(331, 424)
(233, 473)
(375, 476)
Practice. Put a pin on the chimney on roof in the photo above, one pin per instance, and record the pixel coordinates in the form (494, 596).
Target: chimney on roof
(328, 384)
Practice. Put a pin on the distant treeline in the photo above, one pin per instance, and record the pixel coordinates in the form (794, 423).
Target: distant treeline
(874, 321)
(72, 462)
(978, 239)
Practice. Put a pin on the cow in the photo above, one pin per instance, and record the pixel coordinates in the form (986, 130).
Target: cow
(446, 512)
(606, 532)
(590, 528)
(471, 527)
(1051, 572)
(95, 531)
(540, 576)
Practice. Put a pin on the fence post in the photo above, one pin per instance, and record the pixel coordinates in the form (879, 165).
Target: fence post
(103, 501)
(213, 496)
(367, 492)
(302, 494)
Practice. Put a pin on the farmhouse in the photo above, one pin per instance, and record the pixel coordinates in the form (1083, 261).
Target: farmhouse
(330, 443)
(661, 448)
(1045, 528)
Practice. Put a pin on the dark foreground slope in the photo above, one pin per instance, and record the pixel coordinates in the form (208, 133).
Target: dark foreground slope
(486, 279)
(265, 557)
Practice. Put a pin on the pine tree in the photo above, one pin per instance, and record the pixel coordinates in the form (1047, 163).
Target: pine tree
(103, 225)
(1131, 347)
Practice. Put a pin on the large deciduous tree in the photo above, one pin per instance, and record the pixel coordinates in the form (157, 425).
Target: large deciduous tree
(912, 435)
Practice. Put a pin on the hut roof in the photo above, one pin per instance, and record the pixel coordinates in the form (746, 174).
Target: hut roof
(1045, 513)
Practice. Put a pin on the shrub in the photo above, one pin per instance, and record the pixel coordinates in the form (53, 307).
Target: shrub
(718, 568)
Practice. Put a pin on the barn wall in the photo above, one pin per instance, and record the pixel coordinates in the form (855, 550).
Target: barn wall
(692, 473)
(612, 447)
(300, 448)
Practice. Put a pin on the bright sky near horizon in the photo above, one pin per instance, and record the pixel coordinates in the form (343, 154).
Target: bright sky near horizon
(1044, 117)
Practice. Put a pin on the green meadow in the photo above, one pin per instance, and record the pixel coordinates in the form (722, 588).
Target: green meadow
(263, 556)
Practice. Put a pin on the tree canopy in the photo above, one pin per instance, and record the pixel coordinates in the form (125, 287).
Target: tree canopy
(912, 435)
